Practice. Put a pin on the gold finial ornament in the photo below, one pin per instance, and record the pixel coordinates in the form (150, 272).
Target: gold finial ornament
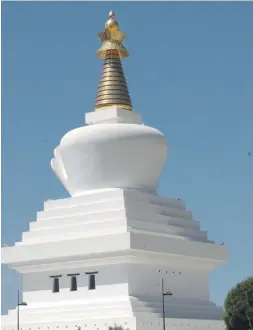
(112, 89)
(112, 24)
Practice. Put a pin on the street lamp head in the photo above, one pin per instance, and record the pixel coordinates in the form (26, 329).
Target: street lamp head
(22, 303)
(168, 293)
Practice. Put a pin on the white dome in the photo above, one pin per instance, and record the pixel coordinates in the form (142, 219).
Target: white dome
(111, 155)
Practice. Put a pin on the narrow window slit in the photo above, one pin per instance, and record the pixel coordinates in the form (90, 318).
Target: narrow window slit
(73, 282)
(92, 280)
(56, 283)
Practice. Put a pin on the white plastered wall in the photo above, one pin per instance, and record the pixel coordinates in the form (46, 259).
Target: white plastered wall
(110, 279)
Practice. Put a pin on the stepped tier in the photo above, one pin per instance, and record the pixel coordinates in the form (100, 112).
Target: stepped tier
(109, 223)
(150, 322)
(123, 307)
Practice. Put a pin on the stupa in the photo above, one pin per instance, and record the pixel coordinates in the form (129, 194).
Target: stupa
(103, 256)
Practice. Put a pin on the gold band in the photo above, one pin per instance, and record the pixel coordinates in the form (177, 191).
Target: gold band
(122, 106)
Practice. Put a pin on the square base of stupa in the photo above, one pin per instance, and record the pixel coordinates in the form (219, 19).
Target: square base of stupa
(132, 240)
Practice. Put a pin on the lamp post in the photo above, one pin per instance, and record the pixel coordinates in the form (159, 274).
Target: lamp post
(19, 304)
(163, 295)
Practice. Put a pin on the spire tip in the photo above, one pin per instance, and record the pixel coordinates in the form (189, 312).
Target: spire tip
(111, 14)
(111, 24)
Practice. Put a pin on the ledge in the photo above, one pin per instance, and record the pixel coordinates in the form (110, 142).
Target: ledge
(113, 115)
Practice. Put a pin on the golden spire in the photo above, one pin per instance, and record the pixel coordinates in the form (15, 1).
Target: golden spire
(112, 89)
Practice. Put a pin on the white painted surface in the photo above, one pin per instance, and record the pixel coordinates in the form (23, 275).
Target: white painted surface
(112, 115)
(37, 287)
(133, 239)
(132, 323)
(115, 225)
(114, 222)
(109, 155)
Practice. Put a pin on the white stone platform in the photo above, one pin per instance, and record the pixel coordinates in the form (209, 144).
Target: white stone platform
(133, 240)
(134, 323)
(118, 220)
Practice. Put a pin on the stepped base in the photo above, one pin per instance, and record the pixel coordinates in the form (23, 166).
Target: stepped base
(143, 322)
(127, 306)
(106, 221)
(131, 240)
(129, 312)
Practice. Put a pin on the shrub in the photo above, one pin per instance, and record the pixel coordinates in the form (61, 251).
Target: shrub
(238, 306)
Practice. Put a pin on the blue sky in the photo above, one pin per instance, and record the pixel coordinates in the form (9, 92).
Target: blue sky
(190, 75)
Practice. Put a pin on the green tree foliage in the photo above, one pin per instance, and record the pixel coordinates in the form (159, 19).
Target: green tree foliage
(239, 306)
